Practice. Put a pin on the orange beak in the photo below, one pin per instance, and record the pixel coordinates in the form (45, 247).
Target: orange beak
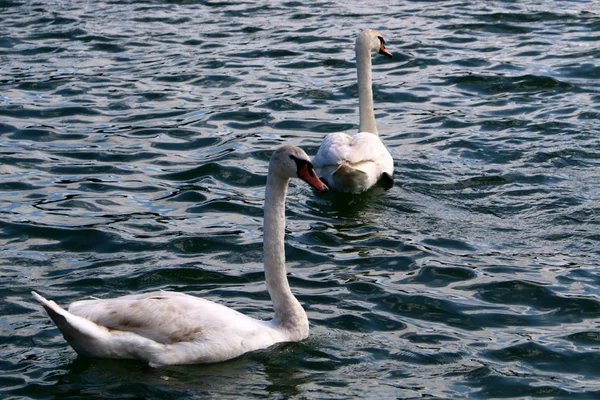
(307, 174)
(384, 51)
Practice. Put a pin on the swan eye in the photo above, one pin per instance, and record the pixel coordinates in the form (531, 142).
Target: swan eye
(382, 49)
(301, 163)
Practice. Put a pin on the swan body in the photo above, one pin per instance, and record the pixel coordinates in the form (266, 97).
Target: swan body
(356, 163)
(166, 328)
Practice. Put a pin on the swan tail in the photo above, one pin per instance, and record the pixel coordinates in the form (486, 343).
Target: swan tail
(92, 340)
(81, 333)
(350, 179)
(387, 180)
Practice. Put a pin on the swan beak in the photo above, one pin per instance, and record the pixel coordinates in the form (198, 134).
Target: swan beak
(384, 51)
(307, 174)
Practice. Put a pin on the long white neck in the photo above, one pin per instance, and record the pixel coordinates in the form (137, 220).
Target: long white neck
(289, 314)
(365, 90)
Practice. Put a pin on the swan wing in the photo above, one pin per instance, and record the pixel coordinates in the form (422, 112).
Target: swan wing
(335, 148)
(368, 148)
(163, 328)
(164, 317)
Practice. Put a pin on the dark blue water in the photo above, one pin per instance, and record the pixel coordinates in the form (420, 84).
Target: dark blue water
(134, 142)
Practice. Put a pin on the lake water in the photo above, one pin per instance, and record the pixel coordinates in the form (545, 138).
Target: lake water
(134, 142)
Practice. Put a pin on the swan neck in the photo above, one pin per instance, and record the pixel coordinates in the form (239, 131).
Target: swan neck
(365, 90)
(289, 313)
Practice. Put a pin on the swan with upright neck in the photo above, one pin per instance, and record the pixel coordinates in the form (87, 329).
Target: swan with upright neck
(167, 328)
(356, 163)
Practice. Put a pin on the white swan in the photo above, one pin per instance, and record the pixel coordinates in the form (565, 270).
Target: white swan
(165, 328)
(355, 163)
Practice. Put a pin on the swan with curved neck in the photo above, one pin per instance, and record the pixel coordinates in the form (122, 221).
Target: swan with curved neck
(356, 163)
(166, 328)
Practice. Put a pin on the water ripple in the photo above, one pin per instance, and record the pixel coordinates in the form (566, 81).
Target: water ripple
(134, 142)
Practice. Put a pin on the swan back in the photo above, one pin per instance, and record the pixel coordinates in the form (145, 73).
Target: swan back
(353, 164)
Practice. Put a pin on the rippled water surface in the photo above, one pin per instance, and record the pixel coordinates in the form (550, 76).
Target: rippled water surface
(134, 142)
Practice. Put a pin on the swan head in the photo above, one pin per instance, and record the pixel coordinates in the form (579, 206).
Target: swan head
(292, 162)
(373, 41)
